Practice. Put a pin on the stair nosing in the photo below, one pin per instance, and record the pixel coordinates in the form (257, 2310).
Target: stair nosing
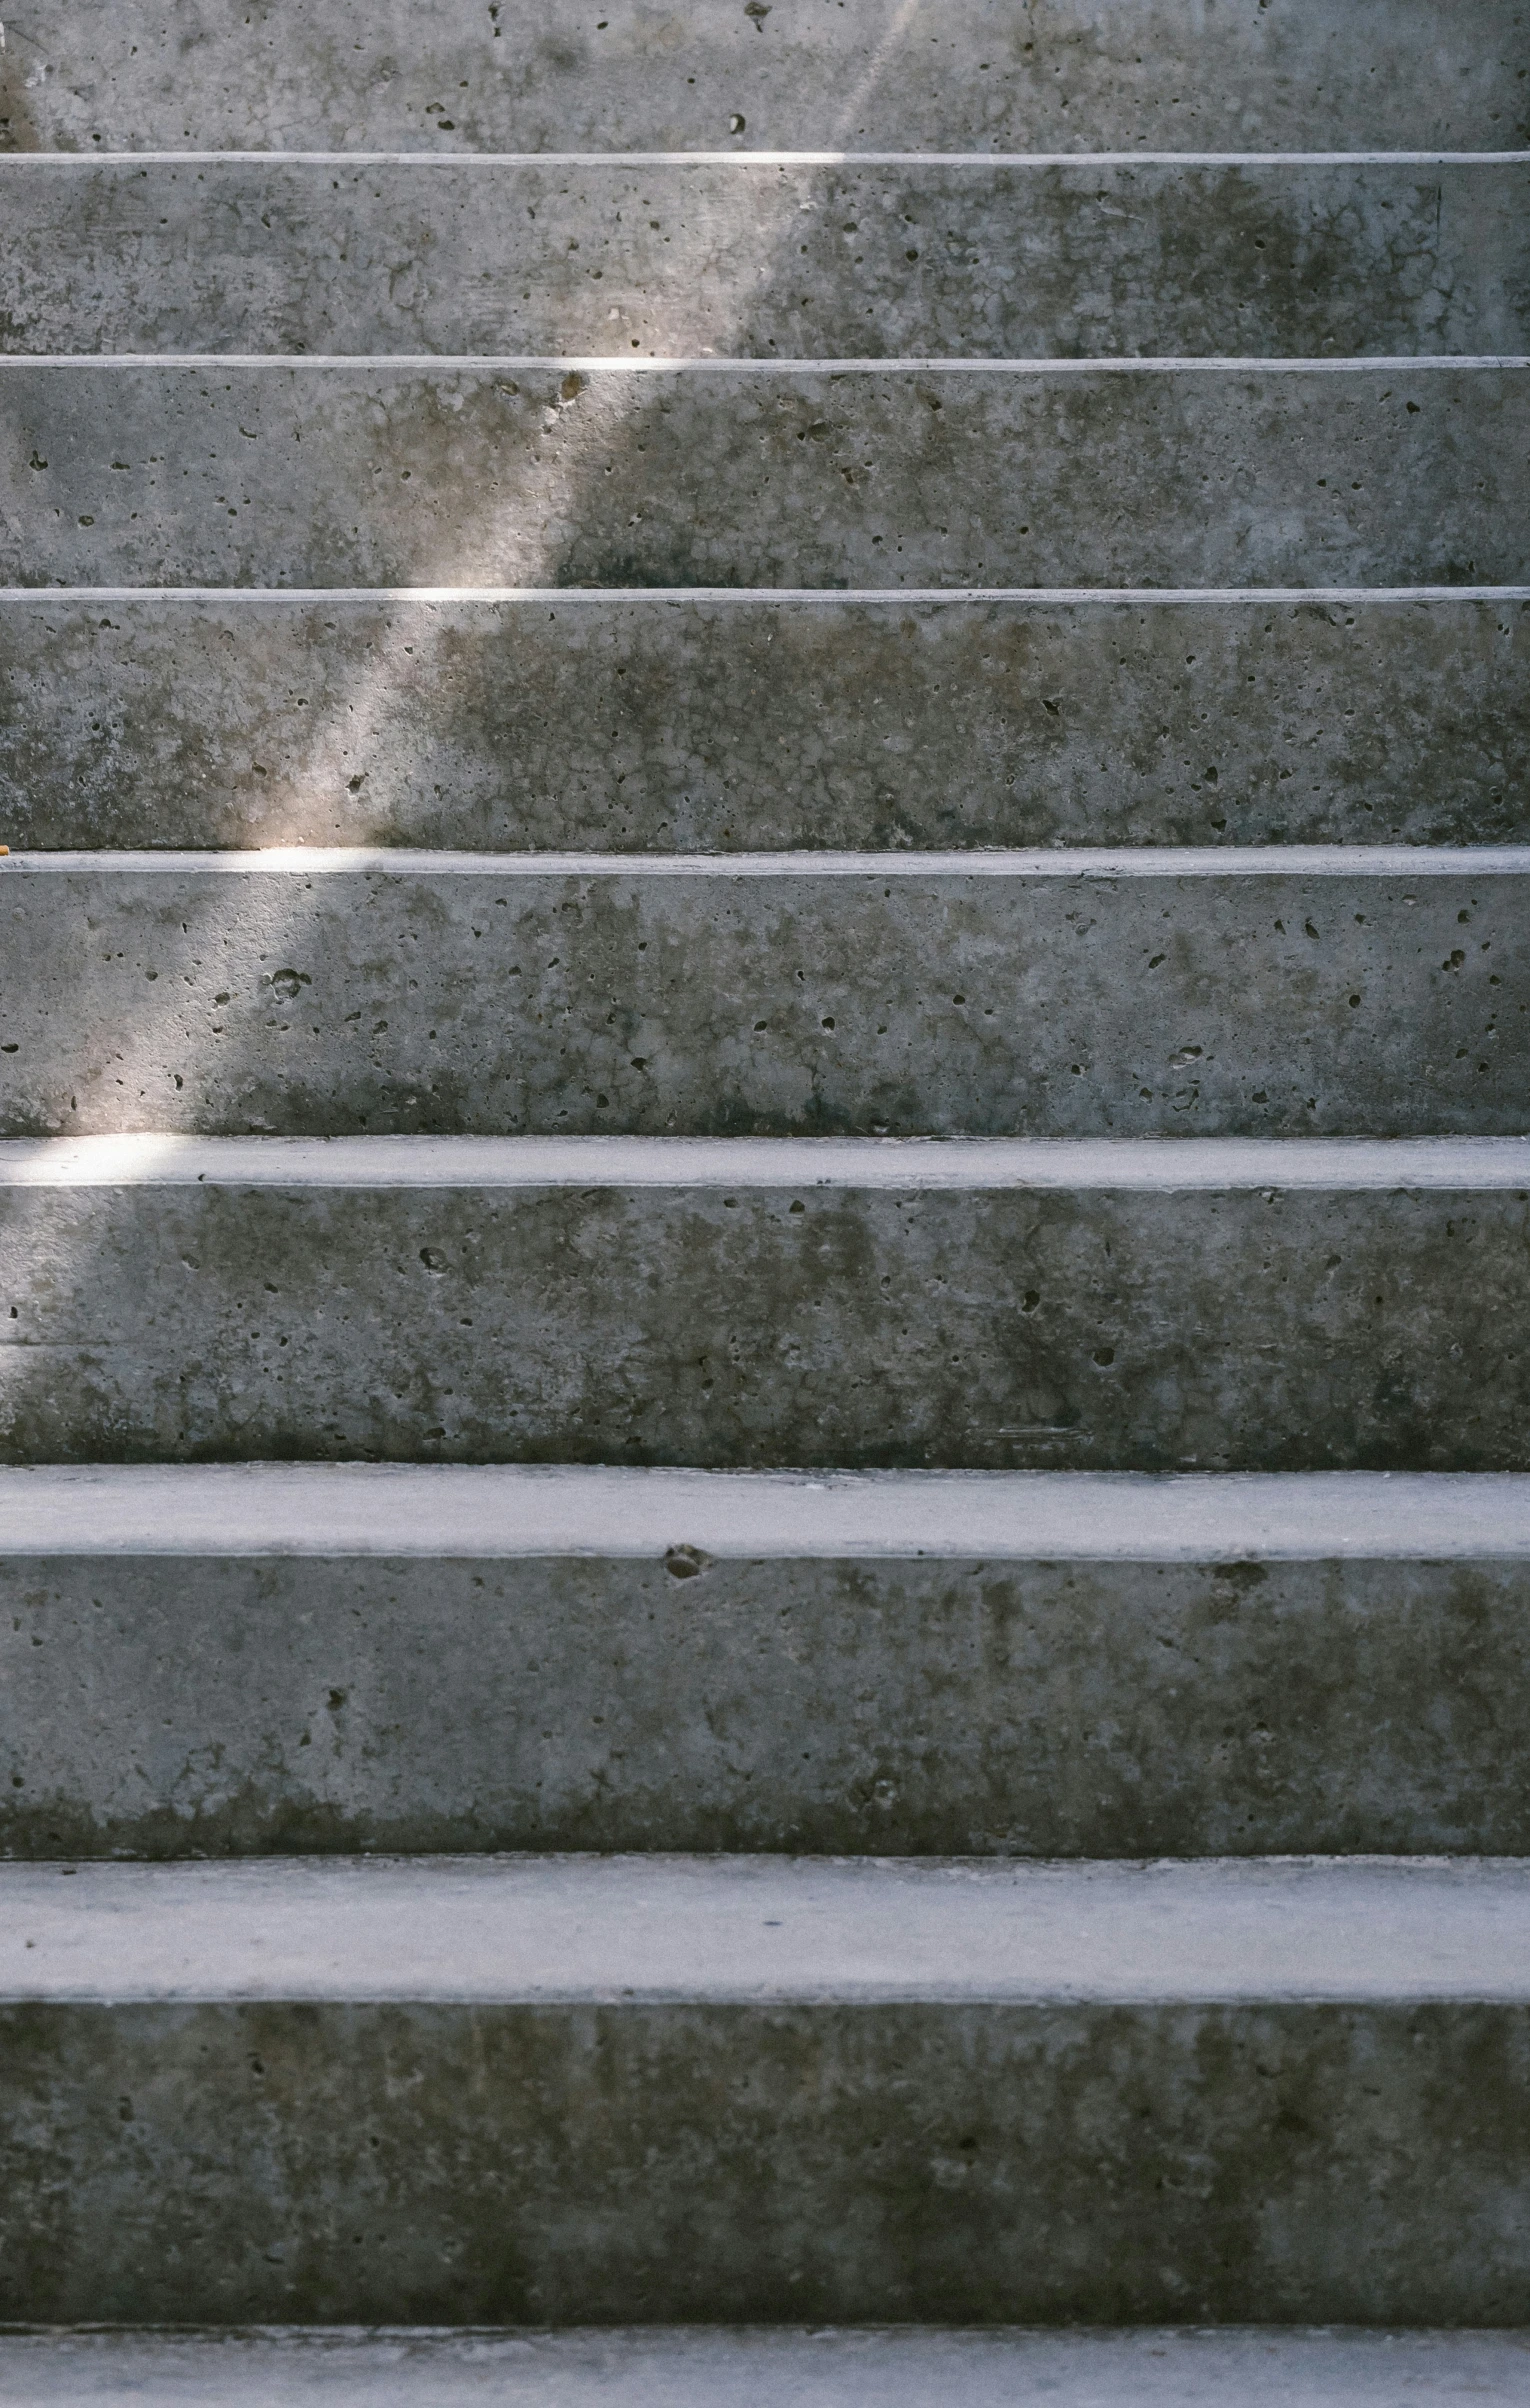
(1146, 1165)
(744, 364)
(883, 596)
(632, 1930)
(622, 1514)
(995, 862)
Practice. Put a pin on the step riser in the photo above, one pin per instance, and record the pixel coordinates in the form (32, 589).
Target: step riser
(715, 725)
(799, 260)
(774, 1006)
(954, 1708)
(1091, 1329)
(375, 476)
(959, 2162)
(1070, 74)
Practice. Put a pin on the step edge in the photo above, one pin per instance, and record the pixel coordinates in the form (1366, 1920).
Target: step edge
(1161, 1165)
(989, 862)
(439, 363)
(900, 597)
(619, 1514)
(854, 1932)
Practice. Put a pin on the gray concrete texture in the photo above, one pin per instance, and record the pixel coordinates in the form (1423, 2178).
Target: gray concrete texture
(162, 1705)
(529, 75)
(880, 1000)
(847, 2091)
(717, 724)
(1071, 1328)
(540, 473)
(1260, 2366)
(800, 260)
(322, 2162)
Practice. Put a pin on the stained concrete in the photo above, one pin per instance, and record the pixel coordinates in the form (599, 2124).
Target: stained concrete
(833, 2093)
(879, 998)
(546, 473)
(1064, 74)
(159, 1704)
(906, 2367)
(722, 722)
(754, 258)
(1110, 1326)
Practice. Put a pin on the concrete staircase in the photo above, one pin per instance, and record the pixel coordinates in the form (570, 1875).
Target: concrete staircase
(765, 1167)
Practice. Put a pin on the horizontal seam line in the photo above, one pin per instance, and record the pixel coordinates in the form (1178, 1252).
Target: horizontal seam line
(994, 864)
(1084, 161)
(735, 364)
(900, 595)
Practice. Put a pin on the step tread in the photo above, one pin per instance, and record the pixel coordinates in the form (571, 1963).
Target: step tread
(717, 1929)
(1150, 1164)
(502, 1512)
(1072, 861)
(905, 2367)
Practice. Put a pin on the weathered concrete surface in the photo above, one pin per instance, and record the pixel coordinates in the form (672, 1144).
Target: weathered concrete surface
(165, 1705)
(701, 724)
(1263, 2366)
(1063, 74)
(738, 257)
(767, 2091)
(1112, 1327)
(879, 1000)
(533, 472)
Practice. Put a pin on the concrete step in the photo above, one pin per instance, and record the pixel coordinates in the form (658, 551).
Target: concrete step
(413, 1658)
(1064, 74)
(907, 2367)
(867, 255)
(549, 472)
(606, 2089)
(1325, 991)
(1116, 1305)
(675, 722)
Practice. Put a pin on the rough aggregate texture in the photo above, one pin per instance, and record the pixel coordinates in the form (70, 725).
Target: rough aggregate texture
(279, 2163)
(948, 74)
(680, 725)
(1113, 1330)
(796, 260)
(766, 1006)
(166, 1707)
(362, 474)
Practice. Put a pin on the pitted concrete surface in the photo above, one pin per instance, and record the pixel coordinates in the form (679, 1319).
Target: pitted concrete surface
(753, 258)
(324, 472)
(164, 1702)
(1069, 74)
(747, 1002)
(847, 2092)
(1158, 2367)
(1157, 1326)
(723, 722)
